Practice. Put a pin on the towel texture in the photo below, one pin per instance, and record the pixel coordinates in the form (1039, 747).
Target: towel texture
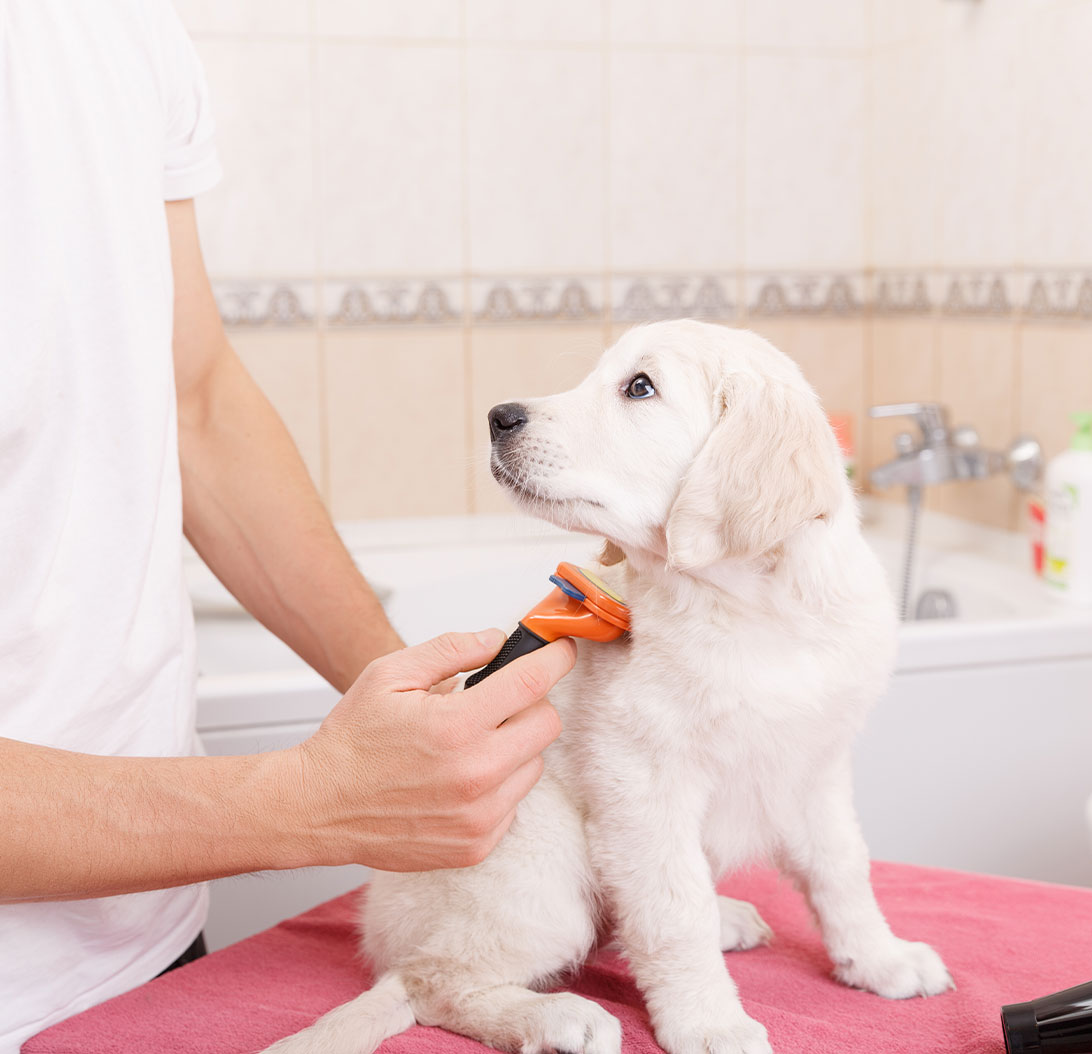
(1004, 941)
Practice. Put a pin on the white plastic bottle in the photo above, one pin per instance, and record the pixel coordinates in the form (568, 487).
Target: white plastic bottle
(1067, 567)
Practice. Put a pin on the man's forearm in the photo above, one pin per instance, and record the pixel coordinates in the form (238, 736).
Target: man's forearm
(395, 778)
(248, 505)
(252, 513)
(80, 825)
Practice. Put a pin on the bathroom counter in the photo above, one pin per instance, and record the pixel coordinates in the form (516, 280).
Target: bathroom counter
(1005, 941)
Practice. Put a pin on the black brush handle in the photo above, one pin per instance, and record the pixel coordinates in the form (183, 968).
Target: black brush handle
(521, 642)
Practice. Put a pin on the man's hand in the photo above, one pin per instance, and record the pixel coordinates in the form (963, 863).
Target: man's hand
(404, 780)
(396, 778)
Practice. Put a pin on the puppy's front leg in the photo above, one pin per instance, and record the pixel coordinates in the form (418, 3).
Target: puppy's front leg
(647, 850)
(824, 850)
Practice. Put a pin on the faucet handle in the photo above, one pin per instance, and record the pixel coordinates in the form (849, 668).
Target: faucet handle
(932, 418)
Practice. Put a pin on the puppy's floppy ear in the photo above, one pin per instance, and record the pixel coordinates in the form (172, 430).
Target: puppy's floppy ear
(770, 466)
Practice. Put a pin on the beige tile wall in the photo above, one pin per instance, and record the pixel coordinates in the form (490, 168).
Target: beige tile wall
(904, 360)
(288, 368)
(392, 420)
(833, 355)
(977, 155)
(464, 143)
(1054, 379)
(509, 362)
(1003, 377)
(977, 364)
(396, 423)
(439, 137)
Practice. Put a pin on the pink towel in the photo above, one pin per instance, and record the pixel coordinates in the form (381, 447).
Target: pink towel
(1005, 941)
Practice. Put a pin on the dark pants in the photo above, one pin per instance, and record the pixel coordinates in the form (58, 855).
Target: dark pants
(191, 954)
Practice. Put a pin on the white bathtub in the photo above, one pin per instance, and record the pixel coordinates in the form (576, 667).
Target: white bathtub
(977, 758)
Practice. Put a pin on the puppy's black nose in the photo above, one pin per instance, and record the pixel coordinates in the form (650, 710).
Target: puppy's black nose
(506, 419)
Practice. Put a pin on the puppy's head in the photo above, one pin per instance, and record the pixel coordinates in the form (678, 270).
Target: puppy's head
(696, 441)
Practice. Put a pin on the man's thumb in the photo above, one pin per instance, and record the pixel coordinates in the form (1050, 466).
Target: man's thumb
(425, 665)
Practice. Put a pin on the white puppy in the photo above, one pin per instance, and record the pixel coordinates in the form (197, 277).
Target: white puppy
(717, 733)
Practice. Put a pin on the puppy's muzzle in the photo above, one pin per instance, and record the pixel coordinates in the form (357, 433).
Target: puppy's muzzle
(505, 421)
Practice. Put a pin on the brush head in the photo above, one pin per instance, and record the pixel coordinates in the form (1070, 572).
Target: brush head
(593, 592)
(580, 605)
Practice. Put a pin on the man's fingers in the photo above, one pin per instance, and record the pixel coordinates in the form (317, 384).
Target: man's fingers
(424, 665)
(519, 684)
(514, 789)
(527, 734)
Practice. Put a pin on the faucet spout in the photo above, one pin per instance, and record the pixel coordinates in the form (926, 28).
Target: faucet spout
(944, 454)
(919, 467)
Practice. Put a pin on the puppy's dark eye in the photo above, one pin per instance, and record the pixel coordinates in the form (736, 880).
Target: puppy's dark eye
(640, 388)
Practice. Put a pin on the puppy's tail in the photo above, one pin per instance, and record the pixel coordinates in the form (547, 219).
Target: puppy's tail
(356, 1027)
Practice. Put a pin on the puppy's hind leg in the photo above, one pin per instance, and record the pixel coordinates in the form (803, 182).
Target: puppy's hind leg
(509, 1017)
(356, 1027)
(469, 946)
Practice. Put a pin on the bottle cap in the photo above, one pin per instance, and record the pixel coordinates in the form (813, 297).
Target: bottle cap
(1082, 438)
(842, 424)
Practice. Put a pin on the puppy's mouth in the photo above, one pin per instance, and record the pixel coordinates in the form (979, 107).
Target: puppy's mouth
(528, 491)
(524, 489)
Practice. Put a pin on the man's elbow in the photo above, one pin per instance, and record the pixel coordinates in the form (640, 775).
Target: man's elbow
(202, 394)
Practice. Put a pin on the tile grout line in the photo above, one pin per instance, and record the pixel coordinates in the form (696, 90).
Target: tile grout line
(326, 482)
(864, 455)
(607, 321)
(466, 312)
(1015, 415)
(741, 165)
(656, 47)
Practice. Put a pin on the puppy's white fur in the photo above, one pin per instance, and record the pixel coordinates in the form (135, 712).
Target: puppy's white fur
(716, 734)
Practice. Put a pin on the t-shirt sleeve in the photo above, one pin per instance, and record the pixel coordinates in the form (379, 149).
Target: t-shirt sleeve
(190, 163)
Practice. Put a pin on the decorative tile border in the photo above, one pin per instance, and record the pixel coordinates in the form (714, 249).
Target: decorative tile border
(1034, 295)
(981, 294)
(392, 301)
(550, 298)
(807, 293)
(266, 303)
(648, 298)
(904, 293)
(1060, 294)
(999, 294)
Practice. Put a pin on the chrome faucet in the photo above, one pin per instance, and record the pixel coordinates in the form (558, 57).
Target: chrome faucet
(943, 454)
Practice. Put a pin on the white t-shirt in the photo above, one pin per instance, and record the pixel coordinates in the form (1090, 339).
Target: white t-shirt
(103, 116)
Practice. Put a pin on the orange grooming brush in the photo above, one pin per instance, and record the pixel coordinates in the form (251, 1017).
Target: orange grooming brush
(579, 605)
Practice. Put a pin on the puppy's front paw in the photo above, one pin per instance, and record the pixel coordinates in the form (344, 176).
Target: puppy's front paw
(740, 1035)
(899, 970)
(741, 926)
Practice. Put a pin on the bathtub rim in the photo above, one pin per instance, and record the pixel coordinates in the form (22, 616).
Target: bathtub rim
(1058, 633)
